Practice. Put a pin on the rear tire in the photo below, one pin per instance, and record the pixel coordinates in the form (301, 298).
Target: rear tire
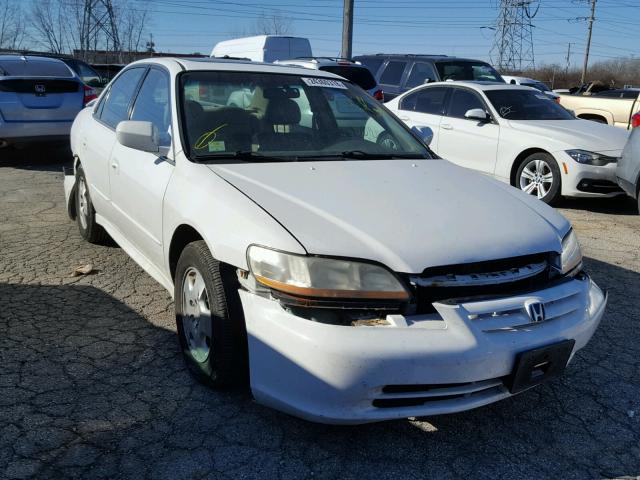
(209, 318)
(539, 175)
(85, 213)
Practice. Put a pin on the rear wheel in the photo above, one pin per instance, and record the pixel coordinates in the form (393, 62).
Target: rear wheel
(209, 318)
(85, 213)
(539, 175)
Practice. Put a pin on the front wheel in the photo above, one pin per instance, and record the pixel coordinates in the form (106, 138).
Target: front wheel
(209, 318)
(539, 175)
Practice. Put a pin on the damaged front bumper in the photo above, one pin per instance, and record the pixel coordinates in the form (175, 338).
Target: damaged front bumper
(454, 360)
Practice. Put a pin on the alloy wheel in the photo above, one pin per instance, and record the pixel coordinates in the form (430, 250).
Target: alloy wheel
(536, 178)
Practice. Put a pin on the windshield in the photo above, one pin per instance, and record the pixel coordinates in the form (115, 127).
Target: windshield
(275, 117)
(526, 105)
(537, 85)
(464, 70)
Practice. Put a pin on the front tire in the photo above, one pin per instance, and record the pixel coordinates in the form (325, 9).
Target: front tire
(209, 318)
(85, 213)
(539, 175)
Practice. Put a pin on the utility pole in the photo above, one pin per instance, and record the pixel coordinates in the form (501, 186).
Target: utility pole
(566, 69)
(586, 53)
(347, 29)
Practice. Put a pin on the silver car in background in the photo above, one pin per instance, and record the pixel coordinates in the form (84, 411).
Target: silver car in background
(39, 99)
(628, 168)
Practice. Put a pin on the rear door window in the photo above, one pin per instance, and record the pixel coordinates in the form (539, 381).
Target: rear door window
(428, 100)
(393, 73)
(419, 73)
(116, 106)
(463, 101)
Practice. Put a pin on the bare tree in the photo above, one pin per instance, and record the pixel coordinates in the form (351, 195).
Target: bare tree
(50, 23)
(12, 25)
(274, 24)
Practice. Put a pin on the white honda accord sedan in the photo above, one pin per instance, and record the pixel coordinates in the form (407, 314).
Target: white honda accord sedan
(345, 280)
(517, 135)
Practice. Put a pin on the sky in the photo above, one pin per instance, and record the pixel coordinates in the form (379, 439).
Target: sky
(451, 27)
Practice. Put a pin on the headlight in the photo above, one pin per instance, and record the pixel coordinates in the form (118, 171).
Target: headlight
(323, 277)
(590, 158)
(571, 257)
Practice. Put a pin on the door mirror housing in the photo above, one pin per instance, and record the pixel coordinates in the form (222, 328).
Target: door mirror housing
(477, 114)
(424, 133)
(427, 80)
(138, 135)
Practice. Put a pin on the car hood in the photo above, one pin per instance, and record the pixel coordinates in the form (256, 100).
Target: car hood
(579, 134)
(408, 215)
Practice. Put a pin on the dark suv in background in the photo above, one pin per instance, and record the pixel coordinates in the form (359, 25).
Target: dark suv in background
(397, 73)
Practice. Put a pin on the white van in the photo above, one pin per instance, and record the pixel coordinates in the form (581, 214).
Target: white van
(264, 48)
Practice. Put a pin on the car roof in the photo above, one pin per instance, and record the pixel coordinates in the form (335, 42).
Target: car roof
(481, 86)
(227, 64)
(522, 79)
(317, 62)
(436, 57)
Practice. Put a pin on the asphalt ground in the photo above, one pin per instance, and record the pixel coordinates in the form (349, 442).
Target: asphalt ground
(92, 383)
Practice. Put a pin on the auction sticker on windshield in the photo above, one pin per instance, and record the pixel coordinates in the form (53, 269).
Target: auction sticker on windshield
(323, 82)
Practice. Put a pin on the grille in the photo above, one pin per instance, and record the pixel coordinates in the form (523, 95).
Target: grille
(397, 396)
(494, 278)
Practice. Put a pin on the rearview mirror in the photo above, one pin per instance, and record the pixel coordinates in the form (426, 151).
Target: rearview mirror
(138, 135)
(424, 133)
(477, 114)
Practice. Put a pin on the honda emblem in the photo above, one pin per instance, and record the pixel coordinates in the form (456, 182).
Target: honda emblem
(536, 312)
(39, 88)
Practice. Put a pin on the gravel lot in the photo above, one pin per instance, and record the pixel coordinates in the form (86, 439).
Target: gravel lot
(92, 384)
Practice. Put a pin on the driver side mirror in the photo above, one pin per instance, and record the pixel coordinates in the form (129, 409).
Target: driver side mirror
(477, 114)
(427, 80)
(424, 133)
(138, 135)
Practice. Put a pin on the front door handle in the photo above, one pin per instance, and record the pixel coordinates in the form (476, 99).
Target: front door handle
(447, 126)
(404, 119)
(114, 165)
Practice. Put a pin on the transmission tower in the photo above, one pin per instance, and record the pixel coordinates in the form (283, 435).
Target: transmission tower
(513, 42)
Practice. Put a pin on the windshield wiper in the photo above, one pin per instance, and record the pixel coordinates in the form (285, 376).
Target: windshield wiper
(245, 155)
(362, 155)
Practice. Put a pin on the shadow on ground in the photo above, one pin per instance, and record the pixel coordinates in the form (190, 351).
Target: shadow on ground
(90, 389)
(42, 157)
(619, 205)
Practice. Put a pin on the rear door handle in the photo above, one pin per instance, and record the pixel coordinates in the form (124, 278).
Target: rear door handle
(404, 119)
(447, 126)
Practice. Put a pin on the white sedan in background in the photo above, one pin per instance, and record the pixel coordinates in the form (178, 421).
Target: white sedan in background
(517, 135)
